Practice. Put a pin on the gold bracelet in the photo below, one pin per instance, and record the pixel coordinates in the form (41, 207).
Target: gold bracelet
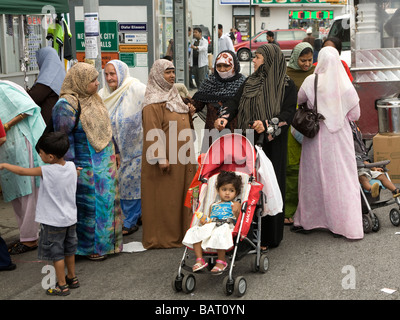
(6, 127)
(22, 117)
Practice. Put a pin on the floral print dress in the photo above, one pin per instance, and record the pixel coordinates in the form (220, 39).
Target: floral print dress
(99, 226)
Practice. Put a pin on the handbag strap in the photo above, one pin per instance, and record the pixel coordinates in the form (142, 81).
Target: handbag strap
(315, 92)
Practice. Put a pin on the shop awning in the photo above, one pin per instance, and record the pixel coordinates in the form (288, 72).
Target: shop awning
(33, 6)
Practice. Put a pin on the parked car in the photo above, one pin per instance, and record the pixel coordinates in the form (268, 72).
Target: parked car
(205, 32)
(287, 39)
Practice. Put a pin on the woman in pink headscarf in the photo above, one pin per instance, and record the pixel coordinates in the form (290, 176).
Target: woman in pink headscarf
(329, 192)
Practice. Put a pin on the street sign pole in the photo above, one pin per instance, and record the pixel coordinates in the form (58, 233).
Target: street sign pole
(92, 35)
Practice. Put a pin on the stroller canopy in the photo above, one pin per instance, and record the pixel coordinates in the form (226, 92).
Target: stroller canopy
(231, 152)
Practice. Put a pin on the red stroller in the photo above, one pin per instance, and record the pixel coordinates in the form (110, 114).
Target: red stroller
(232, 152)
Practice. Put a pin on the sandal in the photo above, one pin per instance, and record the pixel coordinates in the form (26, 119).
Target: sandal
(375, 188)
(19, 248)
(58, 290)
(396, 193)
(200, 264)
(217, 270)
(288, 221)
(72, 283)
(96, 257)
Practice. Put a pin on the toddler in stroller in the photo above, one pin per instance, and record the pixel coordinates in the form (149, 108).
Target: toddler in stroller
(372, 177)
(215, 232)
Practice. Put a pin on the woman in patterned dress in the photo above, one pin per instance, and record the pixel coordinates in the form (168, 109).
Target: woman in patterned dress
(123, 97)
(99, 224)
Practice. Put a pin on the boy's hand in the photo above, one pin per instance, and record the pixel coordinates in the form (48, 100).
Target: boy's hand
(78, 171)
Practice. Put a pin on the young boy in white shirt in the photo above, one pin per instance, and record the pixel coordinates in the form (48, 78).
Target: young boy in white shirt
(56, 208)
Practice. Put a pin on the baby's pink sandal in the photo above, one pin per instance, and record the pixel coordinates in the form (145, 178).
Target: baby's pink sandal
(200, 264)
(217, 270)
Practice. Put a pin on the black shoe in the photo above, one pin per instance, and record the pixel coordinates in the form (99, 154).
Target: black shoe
(10, 267)
(299, 229)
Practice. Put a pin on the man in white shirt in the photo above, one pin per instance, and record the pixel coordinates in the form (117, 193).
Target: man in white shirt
(199, 56)
(224, 41)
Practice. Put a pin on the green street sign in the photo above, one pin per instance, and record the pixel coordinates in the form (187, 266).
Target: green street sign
(128, 58)
(108, 35)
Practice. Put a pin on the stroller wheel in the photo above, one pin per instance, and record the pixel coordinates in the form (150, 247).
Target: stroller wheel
(177, 283)
(375, 224)
(395, 217)
(240, 286)
(189, 283)
(367, 223)
(264, 263)
(228, 285)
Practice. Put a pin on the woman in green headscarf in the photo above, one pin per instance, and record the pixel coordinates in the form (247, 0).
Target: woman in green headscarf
(300, 67)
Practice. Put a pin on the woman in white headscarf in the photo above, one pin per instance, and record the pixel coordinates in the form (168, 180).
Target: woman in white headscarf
(123, 97)
(329, 192)
(46, 90)
(168, 163)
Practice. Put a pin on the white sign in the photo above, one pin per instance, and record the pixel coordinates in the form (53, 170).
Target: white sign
(136, 37)
(91, 50)
(92, 28)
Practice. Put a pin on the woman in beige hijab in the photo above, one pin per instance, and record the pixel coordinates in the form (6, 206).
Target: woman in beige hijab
(99, 224)
(168, 160)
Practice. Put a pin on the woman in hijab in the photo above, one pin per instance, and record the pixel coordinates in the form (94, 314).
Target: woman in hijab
(300, 67)
(220, 87)
(24, 126)
(168, 163)
(329, 191)
(99, 224)
(123, 97)
(46, 90)
(266, 94)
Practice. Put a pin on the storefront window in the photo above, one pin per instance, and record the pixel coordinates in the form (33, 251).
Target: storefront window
(12, 50)
(166, 30)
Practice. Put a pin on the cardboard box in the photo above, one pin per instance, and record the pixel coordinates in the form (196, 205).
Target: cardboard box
(387, 147)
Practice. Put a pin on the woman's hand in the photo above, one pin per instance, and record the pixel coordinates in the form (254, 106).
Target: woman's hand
(164, 167)
(220, 124)
(192, 109)
(258, 126)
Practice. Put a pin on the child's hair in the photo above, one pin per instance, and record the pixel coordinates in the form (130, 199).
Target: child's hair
(226, 177)
(55, 143)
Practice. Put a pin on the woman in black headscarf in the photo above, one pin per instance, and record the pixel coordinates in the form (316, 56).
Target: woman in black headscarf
(266, 94)
(220, 87)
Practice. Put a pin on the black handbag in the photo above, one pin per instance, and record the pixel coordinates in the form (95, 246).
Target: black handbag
(305, 120)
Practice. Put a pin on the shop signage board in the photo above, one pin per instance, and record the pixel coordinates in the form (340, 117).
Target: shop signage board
(307, 14)
(133, 48)
(105, 57)
(108, 36)
(128, 58)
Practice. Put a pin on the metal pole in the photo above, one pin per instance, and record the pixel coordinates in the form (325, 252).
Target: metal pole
(92, 35)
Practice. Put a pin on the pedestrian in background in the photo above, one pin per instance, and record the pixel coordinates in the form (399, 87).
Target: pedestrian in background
(199, 57)
(300, 67)
(320, 184)
(166, 176)
(238, 35)
(24, 126)
(46, 90)
(99, 225)
(123, 96)
(271, 38)
(267, 93)
(309, 38)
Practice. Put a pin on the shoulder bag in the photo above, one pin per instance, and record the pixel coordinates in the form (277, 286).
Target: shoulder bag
(305, 120)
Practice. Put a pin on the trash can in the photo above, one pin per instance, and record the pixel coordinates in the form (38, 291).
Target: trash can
(388, 115)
